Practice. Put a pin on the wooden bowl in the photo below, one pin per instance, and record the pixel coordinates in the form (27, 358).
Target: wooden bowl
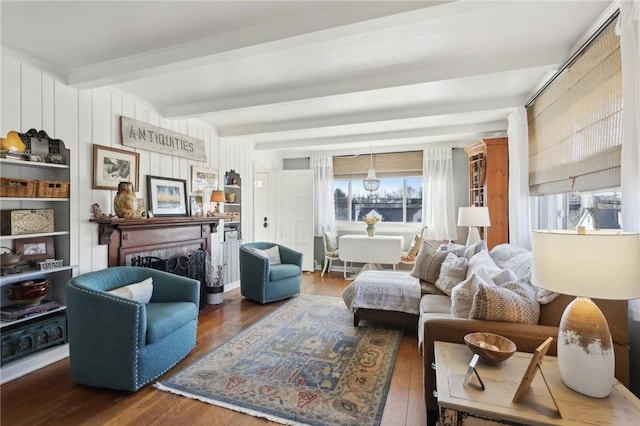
(492, 348)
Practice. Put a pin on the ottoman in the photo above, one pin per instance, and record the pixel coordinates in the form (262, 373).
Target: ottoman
(384, 296)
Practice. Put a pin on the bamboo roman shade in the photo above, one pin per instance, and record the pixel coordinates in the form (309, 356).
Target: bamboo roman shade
(575, 124)
(391, 164)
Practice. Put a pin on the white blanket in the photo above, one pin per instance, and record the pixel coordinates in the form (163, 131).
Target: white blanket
(384, 290)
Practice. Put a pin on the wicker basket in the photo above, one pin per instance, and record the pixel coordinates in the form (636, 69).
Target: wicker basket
(10, 187)
(52, 189)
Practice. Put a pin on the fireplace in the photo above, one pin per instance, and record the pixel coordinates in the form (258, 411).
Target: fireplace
(176, 244)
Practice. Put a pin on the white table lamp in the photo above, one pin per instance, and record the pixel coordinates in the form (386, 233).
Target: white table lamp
(473, 217)
(598, 264)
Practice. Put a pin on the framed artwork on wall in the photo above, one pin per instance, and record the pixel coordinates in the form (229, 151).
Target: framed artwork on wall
(112, 166)
(167, 196)
(203, 179)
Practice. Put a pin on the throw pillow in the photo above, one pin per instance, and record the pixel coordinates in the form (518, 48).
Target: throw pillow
(272, 253)
(504, 276)
(140, 292)
(510, 302)
(482, 260)
(428, 262)
(474, 249)
(462, 294)
(452, 272)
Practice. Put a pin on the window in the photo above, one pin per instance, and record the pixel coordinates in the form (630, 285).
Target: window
(599, 209)
(398, 200)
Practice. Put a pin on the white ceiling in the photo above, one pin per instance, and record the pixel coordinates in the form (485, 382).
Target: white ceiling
(312, 76)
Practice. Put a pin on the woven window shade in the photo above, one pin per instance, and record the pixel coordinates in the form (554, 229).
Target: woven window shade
(575, 124)
(386, 165)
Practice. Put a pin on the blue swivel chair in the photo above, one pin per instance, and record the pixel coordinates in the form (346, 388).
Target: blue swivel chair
(119, 343)
(262, 281)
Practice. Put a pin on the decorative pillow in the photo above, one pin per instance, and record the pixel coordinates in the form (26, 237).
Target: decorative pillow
(462, 294)
(428, 288)
(482, 260)
(510, 302)
(332, 240)
(428, 262)
(140, 292)
(474, 249)
(504, 276)
(272, 253)
(452, 272)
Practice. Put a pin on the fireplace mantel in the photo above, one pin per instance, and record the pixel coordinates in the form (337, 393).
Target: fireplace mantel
(130, 236)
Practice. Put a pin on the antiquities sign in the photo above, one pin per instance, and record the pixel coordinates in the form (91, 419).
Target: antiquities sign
(153, 138)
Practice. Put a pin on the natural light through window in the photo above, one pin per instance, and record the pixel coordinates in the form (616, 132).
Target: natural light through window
(399, 200)
(599, 209)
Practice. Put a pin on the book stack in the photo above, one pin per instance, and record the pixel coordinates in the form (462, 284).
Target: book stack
(16, 312)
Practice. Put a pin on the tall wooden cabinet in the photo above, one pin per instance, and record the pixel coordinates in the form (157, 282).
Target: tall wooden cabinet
(489, 186)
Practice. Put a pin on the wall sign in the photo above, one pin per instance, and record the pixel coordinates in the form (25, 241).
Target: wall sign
(153, 138)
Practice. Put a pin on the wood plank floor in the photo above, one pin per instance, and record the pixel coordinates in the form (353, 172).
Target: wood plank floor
(49, 396)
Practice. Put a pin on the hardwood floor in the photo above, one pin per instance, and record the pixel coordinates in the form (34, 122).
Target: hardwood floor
(49, 396)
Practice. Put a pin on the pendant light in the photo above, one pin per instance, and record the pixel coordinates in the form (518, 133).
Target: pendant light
(371, 183)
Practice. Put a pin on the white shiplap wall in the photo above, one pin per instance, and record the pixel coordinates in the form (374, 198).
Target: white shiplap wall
(34, 97)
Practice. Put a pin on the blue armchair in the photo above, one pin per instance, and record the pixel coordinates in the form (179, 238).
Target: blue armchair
(262, 281)
(119, 343)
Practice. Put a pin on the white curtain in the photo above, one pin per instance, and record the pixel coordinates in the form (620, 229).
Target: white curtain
(438, 210)
(519, 203)
(323, 191)
(630, 52)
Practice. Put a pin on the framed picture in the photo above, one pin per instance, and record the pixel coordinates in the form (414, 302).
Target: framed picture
(203, 179)
(167, 196)
(195, 203)
(112, 166)
(36, 249)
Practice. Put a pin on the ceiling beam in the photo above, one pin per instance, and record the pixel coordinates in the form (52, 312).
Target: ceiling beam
(370, 116)
(268, 37)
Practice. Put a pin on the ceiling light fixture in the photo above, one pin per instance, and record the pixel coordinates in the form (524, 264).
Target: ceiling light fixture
(371, 183)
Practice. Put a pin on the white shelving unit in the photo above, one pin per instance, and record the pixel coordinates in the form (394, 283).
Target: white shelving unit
(35, 358)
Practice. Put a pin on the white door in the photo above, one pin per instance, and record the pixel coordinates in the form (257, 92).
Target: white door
(294, 209)
(263, 215)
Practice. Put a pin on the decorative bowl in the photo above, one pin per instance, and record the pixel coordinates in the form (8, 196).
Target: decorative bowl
(492, 348)
(28, 293)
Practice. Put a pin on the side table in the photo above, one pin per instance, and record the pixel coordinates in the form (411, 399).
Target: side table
(460, 405)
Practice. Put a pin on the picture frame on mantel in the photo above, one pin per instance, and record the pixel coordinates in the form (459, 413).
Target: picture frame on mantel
(167, 196)
(112, 166)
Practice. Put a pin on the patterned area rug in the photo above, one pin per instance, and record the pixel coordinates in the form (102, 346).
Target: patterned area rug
(303, 364)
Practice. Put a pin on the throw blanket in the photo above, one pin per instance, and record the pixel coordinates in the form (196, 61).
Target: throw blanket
(384, 290)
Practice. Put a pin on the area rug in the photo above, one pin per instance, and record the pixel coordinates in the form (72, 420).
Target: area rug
(303, 364)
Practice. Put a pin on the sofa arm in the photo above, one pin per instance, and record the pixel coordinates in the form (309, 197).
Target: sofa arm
(448, 329)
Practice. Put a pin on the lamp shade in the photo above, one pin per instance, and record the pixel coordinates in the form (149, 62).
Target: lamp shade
(217, 196)
(473, 216)
(598, 264)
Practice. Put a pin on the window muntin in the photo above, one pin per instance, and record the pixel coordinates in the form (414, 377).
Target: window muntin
(398, 200)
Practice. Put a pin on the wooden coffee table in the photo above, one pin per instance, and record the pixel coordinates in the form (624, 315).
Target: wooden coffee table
(467, 405)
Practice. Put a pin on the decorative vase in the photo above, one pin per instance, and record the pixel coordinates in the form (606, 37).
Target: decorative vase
(371, 230)
(125, 204)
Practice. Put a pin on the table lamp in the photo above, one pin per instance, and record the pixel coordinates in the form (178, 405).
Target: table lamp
(598, 264)
(217, 196)
(473, 217)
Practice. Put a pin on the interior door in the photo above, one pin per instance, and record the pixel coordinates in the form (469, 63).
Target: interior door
(263, 215)
(294, 209)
